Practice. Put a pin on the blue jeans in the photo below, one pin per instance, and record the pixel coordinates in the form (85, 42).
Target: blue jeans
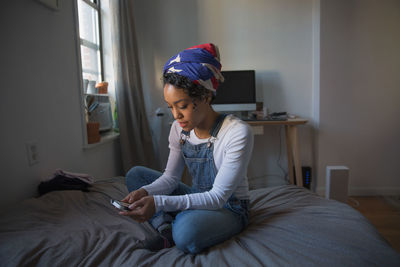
(192, 230)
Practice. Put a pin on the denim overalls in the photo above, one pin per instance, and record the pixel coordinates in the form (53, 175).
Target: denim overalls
(195, 230)
(199, 160)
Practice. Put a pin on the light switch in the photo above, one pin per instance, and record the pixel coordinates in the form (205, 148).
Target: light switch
(258, 130)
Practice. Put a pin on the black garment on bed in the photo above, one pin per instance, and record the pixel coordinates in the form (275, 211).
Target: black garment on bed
(62, 183)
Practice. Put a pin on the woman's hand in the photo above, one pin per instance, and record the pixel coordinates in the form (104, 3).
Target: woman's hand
(135, 195)
(142, 209)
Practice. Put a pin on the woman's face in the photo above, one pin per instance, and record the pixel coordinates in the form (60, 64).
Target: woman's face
(187, 112)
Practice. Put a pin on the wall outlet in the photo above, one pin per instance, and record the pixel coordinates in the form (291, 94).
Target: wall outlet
(32, 152)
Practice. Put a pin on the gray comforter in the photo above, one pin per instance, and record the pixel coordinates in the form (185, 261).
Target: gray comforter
(289, 226)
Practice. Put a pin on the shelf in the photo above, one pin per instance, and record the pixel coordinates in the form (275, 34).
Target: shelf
(105, 138)
(87, 94)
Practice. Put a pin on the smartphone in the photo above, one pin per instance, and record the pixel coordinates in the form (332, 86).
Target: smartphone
(122, 206)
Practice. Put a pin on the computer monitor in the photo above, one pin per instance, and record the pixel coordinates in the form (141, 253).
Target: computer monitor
(237, 92)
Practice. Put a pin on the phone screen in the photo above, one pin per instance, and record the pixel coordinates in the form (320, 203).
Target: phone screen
(121, 205)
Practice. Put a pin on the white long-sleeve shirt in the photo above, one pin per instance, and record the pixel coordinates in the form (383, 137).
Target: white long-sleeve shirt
(232, 152)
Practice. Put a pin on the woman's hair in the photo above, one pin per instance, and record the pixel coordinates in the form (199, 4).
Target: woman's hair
(193, 90)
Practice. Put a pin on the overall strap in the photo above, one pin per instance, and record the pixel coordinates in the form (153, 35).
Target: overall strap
(184, 136)
(217, 125)
(215, 129)
(213, 132)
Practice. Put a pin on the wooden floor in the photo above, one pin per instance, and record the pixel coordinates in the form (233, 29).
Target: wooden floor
(385, 217)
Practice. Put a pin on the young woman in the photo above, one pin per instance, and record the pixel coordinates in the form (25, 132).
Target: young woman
(215, 148)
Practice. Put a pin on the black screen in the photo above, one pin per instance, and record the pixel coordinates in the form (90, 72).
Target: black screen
(238, 88)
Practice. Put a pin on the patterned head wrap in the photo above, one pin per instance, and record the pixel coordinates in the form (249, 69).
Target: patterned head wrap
(199, 63)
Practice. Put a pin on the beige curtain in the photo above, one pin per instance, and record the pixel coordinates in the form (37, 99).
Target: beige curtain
(136, 141)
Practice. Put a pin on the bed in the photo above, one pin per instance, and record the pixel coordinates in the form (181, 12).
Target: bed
(289, 226)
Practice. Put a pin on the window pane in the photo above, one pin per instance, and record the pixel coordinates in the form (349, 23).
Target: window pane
(88, 22)
(91, 63)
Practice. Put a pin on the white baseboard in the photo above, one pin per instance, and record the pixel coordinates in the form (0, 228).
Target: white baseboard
(367, 191)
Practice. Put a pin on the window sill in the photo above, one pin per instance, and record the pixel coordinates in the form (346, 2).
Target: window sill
(106, 137)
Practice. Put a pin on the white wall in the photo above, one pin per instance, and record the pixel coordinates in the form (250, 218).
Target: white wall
(360, 93)
(40, 100)
(273, 37)
(357, 106)
(338, 68)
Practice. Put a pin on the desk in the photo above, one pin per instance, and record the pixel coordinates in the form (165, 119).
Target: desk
(292, 145)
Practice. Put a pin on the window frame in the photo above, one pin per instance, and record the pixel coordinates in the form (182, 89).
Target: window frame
(96, 4)
(108, 135)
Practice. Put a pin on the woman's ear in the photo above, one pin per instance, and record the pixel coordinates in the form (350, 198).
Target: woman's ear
(209, 98)
(194, 102)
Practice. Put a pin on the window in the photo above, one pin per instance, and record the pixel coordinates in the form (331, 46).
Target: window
(95, 47)
(90, 40)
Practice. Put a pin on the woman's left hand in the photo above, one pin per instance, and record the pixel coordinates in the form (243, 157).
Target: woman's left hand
(142, 209)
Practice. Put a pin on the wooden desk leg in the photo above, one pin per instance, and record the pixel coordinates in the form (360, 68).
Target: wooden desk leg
(294, 154)
(289, 154)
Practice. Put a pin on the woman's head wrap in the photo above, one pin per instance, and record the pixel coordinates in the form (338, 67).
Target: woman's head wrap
(199, 63)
